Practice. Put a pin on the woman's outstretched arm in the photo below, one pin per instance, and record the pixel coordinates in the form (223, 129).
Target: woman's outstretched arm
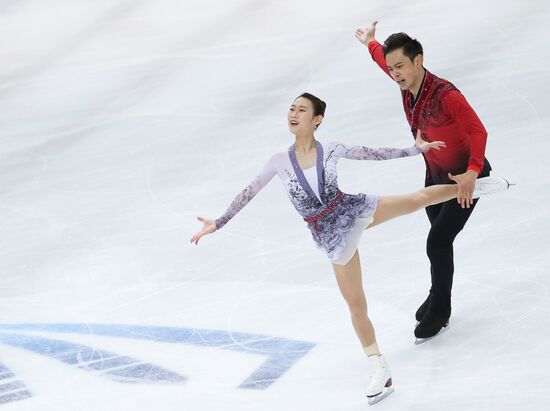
(368, 153)
(242, 199)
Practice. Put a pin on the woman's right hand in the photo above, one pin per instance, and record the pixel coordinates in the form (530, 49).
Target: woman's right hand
(209, 226)
(425, 145)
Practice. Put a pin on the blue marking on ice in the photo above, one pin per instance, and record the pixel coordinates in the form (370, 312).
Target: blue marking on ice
(119, 368)
(15, 396)
(281, 353)
(11, 386)
(11, 390)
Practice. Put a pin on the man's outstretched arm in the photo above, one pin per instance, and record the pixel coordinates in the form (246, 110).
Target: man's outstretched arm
(367, 37)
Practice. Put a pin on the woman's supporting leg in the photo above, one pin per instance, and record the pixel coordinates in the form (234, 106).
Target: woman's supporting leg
(394, 206)
(351, 286)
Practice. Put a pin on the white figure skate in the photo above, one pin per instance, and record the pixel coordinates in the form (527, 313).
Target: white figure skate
(380, 379)
(490, 185)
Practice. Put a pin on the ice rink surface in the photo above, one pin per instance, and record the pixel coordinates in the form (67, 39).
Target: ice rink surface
(123, 120)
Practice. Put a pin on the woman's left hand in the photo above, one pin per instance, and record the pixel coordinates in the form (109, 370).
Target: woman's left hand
(425, 146)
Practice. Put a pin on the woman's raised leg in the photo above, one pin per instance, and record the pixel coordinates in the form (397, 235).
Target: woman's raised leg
(394, 206)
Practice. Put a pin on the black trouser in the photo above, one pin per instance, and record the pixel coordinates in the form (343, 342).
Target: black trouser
(447, 220)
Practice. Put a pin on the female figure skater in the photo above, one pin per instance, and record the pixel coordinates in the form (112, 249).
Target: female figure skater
(337, 220)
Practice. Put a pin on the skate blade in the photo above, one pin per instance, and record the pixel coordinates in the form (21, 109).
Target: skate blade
(492, 186)
(420, 341)
(377, 398)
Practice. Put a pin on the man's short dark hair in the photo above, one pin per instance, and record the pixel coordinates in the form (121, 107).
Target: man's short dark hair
(411, 47)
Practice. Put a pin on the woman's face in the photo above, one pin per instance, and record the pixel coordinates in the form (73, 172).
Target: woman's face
(301, 118)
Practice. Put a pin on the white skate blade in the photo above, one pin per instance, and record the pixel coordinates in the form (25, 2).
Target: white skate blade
(375, 399)
(423, 340)
(490, 185)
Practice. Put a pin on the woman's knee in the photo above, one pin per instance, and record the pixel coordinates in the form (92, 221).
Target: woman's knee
(357, 306)
(420, 199)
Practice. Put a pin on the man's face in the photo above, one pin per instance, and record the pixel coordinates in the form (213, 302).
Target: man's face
(405, 72)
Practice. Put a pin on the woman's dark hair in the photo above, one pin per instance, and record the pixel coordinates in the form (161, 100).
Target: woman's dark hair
(411, 47)
(319, 106)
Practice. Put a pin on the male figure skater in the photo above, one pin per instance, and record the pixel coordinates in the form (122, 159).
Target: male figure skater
(437, 108)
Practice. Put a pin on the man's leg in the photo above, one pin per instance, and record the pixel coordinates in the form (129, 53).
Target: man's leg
(445, 227)
(446, 222)
(432, 212)
(444, 261)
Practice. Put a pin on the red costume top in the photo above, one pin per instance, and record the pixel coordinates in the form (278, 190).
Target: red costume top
(442, 113)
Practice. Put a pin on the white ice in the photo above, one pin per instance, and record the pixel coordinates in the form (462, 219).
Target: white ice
(121, 121)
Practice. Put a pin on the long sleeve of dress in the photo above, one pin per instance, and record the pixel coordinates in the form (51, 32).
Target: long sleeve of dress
(244, 197)
(367, 153)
